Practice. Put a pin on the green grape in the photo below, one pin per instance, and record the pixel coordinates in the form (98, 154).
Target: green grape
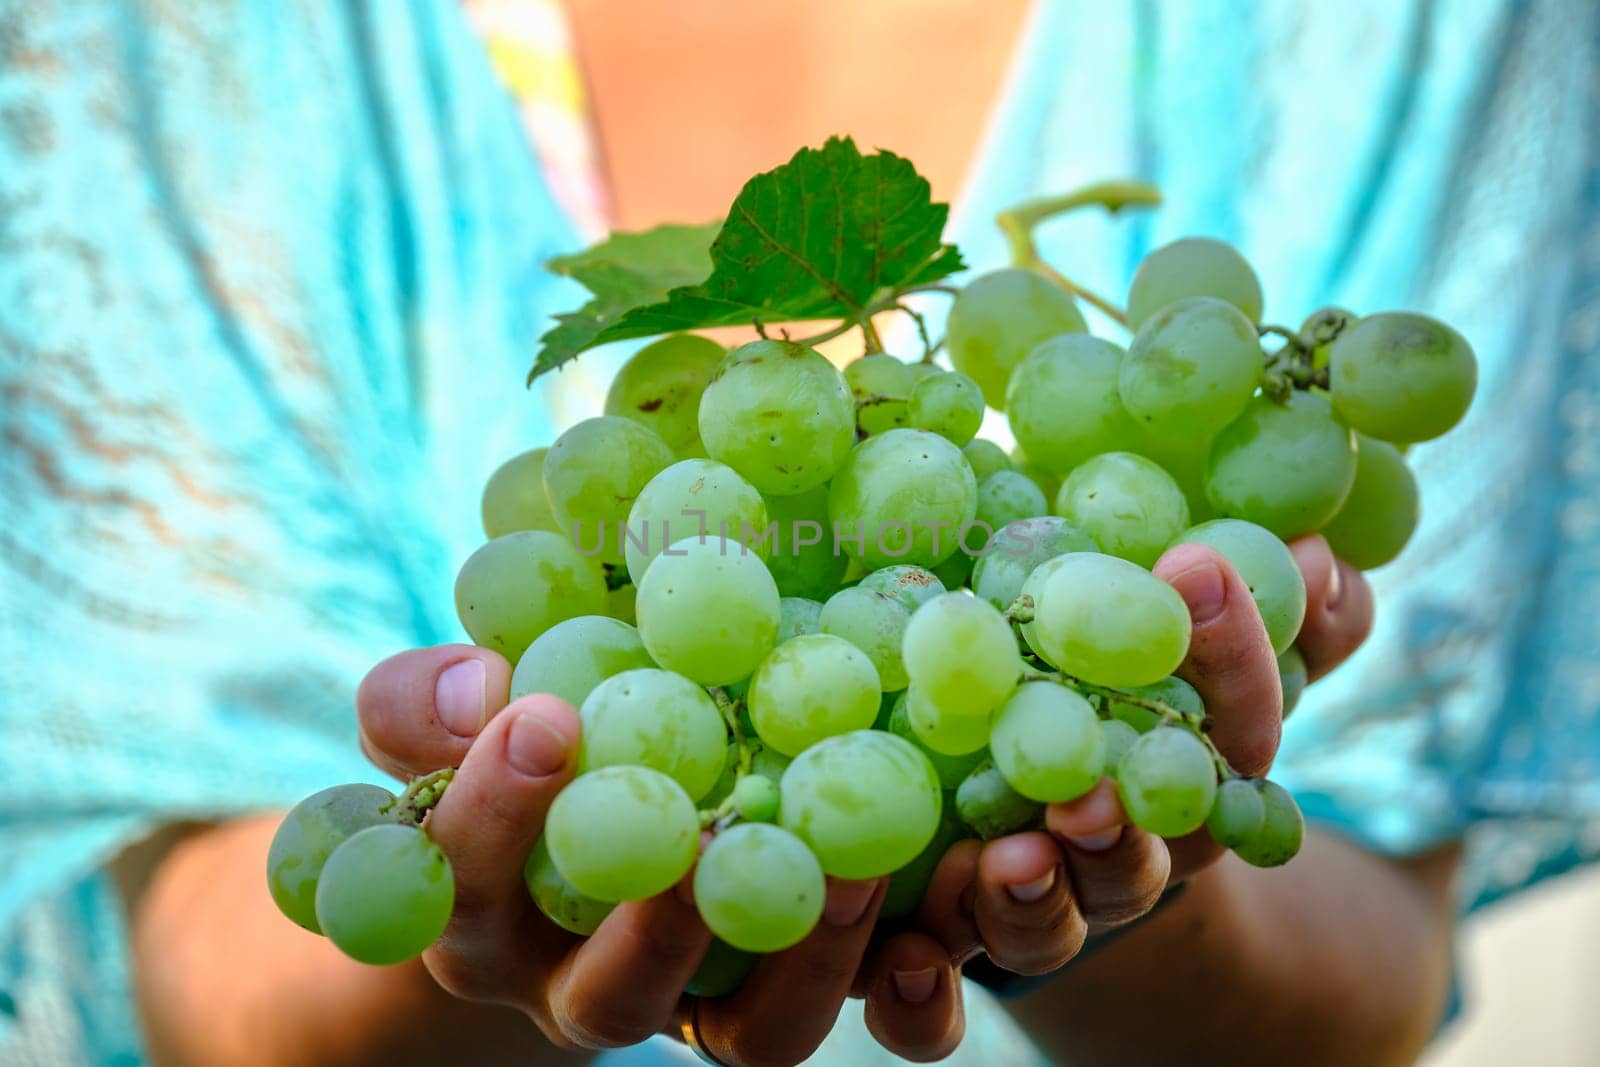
(920, 370)
(660, 386)
(560, 903)
(797, 616)
(693, 498)
(1185, 460)
(521, 584)
(1047, 742)
(769, 763)
(952, 770)
(1191, 368)
(812, 687)
(1237, 814)
(755, 798)
(1402, 377)
(592, 474)
(961, 655)
(1131, 507)
(1004, 497)
(779, 414)
(908, 585)
(514, 498)
(803, 561)
(308, 835)
(1267, 567)
(1105, 620)
(722, 970)
(1018, 549)
(1174, 692)
(1118, 737)
(950, 735)
(955, 572)
(866, 802)
(385, 894)
(875, 623)
(902, 497)
(759, 888)
(999, 318)
(1292, 676)
(985, 457)
(991, 808)
(622, 833)
(1381, 512)
(657, 719)
(949, 404)
(620, 603)
(1064, 404)
(1048, 481)
(575, 655)
(1282, 829)
(1167, 782)
(1193, 266)
(908, 884)
(880, 385)
(1288, 467)
(1323, 327)
(708, 611)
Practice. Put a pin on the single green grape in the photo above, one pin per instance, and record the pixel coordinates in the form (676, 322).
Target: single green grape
(560, 903)
(1381, 512)
(881, 385)
(1401, 377)
(1019, 548)
(1129, 505)
(910, 585)
(514, 498)
(1191, 368)
(1105, 620)
(803, 561)
(985, 457)
(1191, 267)
(1174, 692)
(1118, 737)
(1282, 829)
(780, 414)
(708, 611)
(521, 584)
(385, 894)
(952, 770)
(810, 688)
(1237, 814)
(936, 731)
(575, 655)
(1292, 676)
(1048, 481)
(999, 318)
(798, 616)
(769, 763)
(902, 497)
(1004, 497)
(1167, 782)
(1286, 466)
(660, 386)
(755, 798)
(908, 884)
(1185, 460)
(758, 887)
(694, 498)
(592, 474)
(1064, 405)
(1267, 567)
(654, 718)
(1047, 742)
(956, 570)
(875, 623)
(307, 837)
(865, 802)
(622, 833)
(960, 654)
(722, 970)
(989, 805)
(949, 404)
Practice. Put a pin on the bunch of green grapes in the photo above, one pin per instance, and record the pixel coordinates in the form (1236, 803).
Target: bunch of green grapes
(814, 625)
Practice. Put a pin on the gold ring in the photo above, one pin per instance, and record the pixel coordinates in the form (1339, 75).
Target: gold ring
(689, 1028)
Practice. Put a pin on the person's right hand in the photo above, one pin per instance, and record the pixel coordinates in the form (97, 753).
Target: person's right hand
(447, 707)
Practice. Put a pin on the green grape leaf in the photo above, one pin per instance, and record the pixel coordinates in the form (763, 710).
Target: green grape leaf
(624, 271)
(824, 236)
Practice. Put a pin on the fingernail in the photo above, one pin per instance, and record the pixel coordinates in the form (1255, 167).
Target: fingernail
(847, 902)
(1028, 892)
(459, 697)
(1096, 842)
(1335, 587)
(915, 987)
(534, 747)
(1203, 589)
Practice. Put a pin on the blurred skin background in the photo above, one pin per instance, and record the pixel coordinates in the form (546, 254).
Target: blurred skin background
(1425, 155)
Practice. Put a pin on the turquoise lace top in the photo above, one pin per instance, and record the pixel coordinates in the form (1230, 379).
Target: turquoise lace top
(270, 277)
